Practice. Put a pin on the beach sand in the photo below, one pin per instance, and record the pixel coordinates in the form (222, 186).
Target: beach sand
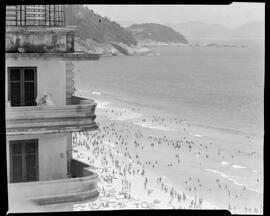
(186, 166)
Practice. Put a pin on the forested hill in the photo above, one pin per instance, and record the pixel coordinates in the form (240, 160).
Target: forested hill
(93, 26)
(156, 32)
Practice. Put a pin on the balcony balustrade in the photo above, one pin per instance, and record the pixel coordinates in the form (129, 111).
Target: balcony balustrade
(79, 115)
(82, 186)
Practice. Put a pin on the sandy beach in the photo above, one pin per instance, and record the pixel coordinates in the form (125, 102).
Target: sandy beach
(153, 160)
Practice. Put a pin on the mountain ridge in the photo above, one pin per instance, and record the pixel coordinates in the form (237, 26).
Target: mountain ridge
(197, 29)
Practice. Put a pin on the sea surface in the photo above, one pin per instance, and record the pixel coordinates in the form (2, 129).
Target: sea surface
(218, 87)
(218, 90)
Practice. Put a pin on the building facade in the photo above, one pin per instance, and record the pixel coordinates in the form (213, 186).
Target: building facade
(41, 111)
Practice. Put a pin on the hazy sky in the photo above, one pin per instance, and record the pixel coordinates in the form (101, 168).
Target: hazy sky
(232, 15)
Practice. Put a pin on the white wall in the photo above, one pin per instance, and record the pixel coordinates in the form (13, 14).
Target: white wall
(69, 151)
(51, 165)
(51, 77)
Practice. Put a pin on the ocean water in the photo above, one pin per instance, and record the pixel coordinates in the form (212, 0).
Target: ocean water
(219, 87)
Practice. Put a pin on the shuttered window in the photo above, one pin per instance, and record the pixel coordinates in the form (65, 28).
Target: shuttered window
(23, 160)
(22, 86)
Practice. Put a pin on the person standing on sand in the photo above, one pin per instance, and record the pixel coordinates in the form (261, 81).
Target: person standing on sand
(145, 183)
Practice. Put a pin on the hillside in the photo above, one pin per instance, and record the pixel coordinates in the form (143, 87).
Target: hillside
(253, 29)
(95, 27)
(156, 32)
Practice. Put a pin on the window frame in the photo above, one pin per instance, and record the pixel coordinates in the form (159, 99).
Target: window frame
(22, 82)
(23, 160)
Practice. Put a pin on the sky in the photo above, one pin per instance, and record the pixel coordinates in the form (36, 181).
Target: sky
(231, 16)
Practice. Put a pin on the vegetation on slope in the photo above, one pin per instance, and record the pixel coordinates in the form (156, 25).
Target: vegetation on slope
(93, 26)
(156, 32)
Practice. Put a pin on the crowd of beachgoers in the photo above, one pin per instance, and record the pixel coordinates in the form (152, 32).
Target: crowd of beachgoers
(132, 162)
(124, 172)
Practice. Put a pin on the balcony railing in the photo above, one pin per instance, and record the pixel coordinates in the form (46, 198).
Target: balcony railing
(81, 187)
(78, 116)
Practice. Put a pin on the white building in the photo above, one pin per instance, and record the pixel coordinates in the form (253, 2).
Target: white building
(42, 113)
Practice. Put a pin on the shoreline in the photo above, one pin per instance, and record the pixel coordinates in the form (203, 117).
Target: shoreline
(104, 100)
(208, 130)
(134, 117)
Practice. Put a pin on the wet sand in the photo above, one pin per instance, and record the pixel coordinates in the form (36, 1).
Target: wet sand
(162, 161)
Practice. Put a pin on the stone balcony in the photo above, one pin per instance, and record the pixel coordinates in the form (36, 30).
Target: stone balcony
(79, 115)
(39, 195)
(47, 43)
(35, 39)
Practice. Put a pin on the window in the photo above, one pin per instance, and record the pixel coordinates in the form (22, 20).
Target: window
(22, 86)
(35, 15)
(70, 43)
(23, 160)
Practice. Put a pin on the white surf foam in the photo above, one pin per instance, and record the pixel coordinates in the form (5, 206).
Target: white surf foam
(224, 176)
(224, 163)
(197, 135)
(236, 166)
(82, 90)
(113, 113)
(102, 104)
(247, 184)
(96, 93)
(254, 189)
(153, 126)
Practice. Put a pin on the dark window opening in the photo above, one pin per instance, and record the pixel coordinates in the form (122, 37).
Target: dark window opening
(22, 86)
(23, 161)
